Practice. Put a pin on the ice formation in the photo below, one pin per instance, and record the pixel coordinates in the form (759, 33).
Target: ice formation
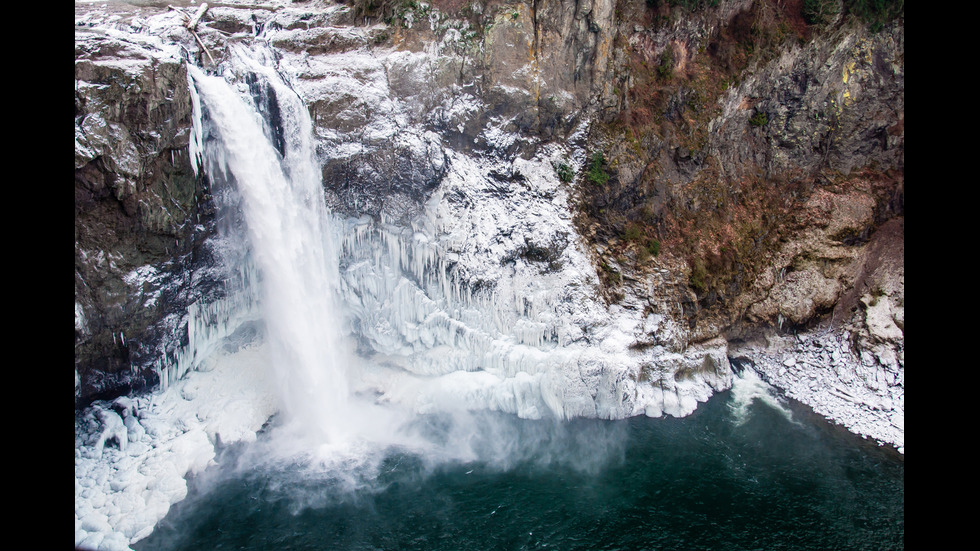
(132, 456)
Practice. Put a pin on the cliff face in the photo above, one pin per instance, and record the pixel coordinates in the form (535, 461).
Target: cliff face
(138, 210)
(755, 190)
(734, 171)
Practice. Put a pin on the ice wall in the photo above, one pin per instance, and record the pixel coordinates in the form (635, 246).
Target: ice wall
(489, 301)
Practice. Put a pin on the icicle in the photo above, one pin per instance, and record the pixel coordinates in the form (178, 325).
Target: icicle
(195, 147)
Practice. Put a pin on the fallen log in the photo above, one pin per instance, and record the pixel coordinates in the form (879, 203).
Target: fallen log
(191, 25)
(201, 10)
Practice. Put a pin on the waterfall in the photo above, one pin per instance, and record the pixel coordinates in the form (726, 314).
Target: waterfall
(257, 133)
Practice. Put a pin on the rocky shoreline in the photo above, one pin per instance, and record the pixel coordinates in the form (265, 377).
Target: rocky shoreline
(822, 371)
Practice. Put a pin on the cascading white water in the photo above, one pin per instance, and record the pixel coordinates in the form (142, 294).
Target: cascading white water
(289, 231)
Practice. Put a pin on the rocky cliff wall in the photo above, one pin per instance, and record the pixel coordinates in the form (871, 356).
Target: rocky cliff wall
(736, 170)
(140, 209)
(752, 185)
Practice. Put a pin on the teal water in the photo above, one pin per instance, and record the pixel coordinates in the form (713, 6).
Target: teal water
(717, 479)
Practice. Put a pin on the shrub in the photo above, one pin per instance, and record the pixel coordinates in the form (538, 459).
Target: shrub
(759, 119)
(650, 248)
(653, 247)
(633, 232)
(699, 275)
(565, 172)
(597, 175)
(666, 68)
(876, 12)
(691, 5)
(609, 274)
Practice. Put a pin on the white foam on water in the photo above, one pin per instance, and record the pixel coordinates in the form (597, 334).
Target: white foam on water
(748, 388)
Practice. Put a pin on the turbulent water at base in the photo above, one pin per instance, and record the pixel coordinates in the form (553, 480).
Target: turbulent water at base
(742, 472)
